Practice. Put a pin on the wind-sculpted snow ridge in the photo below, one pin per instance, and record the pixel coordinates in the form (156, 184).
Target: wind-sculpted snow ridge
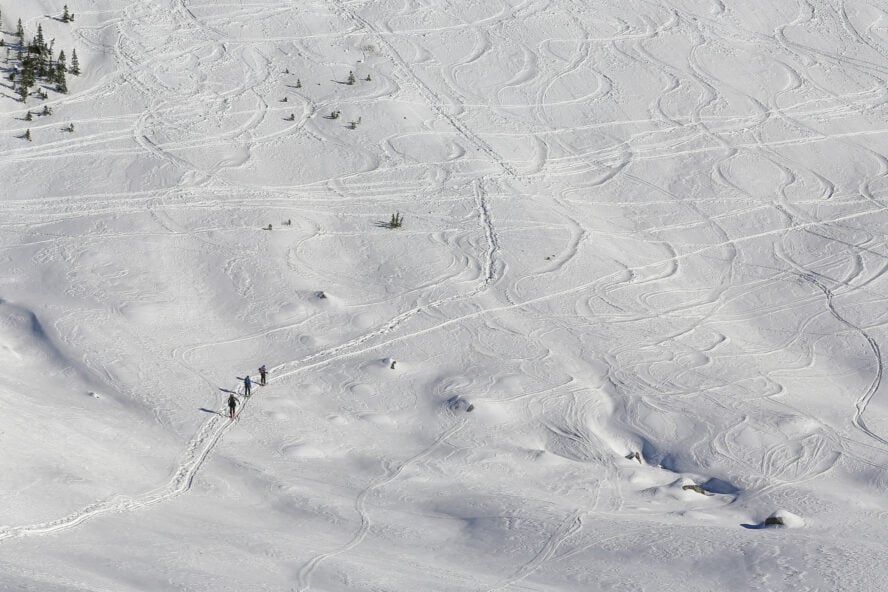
(633, 314)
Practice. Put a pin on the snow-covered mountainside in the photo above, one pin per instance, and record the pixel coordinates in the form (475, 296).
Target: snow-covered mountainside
(634, 308)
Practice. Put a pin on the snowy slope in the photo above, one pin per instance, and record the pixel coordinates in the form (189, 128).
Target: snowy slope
(646, 241)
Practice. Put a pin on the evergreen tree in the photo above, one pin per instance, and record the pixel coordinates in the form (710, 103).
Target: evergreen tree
(29, 117)
(66, 16)
(61, 84)
(75, 64)
(39, 41)
(28, 134)
(29, 70)
(20, 33)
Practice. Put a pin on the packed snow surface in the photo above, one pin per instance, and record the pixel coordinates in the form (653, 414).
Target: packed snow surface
(635, 308)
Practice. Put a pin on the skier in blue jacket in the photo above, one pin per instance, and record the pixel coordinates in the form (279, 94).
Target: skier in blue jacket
(247, 385)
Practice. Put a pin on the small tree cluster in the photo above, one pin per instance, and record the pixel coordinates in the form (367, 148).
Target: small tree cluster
(37, 64)
(67, 17)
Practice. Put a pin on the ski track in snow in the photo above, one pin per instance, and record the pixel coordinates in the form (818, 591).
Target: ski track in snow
(389, 474)
(192, 459)
(567, 529)
(554, 90)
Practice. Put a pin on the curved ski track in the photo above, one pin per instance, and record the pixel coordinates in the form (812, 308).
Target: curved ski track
(698, 115)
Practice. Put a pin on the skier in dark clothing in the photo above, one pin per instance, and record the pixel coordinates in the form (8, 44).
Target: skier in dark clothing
(232, 404)
(262, 373)
(247, 385)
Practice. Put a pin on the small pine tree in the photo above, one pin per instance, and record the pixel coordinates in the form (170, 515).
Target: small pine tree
(66, 16)
(298, 83)
(396, 220)
(61, 83)
(368, 79)
(46, 110)
(20, 32)
(28, 134)
(351, 77)
(3, 44)
(39, 41)
(29, 117)
(75, 63)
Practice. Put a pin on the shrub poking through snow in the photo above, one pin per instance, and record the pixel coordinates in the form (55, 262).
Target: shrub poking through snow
(457, 403)
(396, 221)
